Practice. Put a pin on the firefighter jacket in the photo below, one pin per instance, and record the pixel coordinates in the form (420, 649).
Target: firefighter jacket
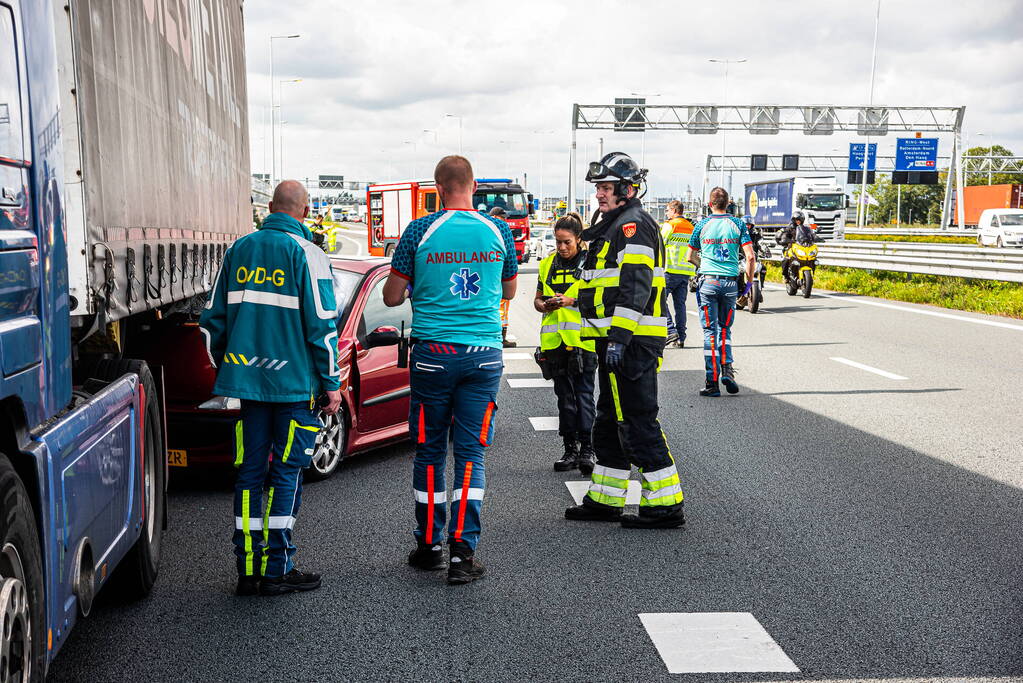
(621, 296)
(562, 326)
(271, 321)
(676, 233)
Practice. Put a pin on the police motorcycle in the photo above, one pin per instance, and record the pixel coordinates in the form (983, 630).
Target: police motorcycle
(800, 260)
(755, 296)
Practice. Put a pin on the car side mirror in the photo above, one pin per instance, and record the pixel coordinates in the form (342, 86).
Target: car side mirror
(385, 335)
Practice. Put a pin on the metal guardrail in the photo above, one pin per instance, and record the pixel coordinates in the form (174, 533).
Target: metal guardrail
(930, 259)
(909, 232)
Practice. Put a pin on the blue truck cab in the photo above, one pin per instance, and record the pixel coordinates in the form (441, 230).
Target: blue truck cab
(93, 247)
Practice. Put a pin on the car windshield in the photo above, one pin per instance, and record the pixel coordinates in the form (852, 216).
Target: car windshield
(514, 203)
(345, 285)
(824, 202)
(1011, 219)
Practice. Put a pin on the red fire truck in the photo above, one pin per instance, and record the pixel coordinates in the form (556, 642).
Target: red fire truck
(392, 206)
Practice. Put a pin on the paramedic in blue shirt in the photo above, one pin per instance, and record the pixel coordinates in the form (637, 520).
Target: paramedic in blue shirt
(718, 239)
(455, 265)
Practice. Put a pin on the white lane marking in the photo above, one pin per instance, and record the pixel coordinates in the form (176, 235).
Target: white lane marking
(579, 487)
(714, 642)
(867, 368)
(517, 356)
(544, 424)
(358, 245)
(529, 382)
(856, 299)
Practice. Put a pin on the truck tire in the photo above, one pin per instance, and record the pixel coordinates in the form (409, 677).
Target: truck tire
(22, 617)
(389, 250)
(135, 575)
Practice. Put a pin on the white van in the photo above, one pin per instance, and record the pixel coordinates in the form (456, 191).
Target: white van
(1000, 228)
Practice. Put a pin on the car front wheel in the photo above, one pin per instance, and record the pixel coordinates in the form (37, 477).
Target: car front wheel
(329, 449)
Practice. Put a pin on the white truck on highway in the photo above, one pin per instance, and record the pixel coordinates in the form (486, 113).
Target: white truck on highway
(821, 199)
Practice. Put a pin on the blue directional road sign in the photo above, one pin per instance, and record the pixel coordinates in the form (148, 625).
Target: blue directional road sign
(916, 154)
(856, 151)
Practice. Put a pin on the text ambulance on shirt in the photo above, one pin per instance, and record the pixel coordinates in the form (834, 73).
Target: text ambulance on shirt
(719, 240)
(456, 261)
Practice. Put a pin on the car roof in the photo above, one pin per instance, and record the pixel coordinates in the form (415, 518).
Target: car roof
(358, 264)
(1003, 212)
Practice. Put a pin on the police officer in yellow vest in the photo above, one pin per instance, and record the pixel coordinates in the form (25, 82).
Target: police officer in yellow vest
(621, 300)
(676, 232)
(567, 358)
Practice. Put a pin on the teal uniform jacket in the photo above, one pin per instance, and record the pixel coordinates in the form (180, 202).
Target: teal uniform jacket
(271, 320)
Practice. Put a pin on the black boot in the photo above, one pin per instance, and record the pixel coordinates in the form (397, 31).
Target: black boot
(292, 582)
(427, 557)
(711, 389)
(659, 517)
(570, 459)
(464, 567)
(728, 379)
(587, 459)
(247, 585)
(592, 511)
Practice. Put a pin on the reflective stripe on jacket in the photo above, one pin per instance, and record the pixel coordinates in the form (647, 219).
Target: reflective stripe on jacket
(562, 326)
(676, 233)
(622, 293)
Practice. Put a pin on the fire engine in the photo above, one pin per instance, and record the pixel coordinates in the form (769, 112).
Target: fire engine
(392, 206)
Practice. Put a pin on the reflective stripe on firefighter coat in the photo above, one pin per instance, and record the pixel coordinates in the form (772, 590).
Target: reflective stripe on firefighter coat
(561, 326)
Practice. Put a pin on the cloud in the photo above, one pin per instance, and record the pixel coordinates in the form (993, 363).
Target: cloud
(376, 74)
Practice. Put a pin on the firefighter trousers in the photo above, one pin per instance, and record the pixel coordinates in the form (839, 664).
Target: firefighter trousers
(626, 432)
(277, 438)
(454, 394)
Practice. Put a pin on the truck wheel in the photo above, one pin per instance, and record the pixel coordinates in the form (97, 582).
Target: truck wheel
(388, 250)
(330, 446)
(135, 575)
(22, 620)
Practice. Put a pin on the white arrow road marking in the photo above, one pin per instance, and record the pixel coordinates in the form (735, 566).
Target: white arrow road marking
(714, 642)
(544, 424)
(529, 382)
(867, 368)
(579, 487)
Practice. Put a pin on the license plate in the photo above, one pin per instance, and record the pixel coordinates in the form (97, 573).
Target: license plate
(177, 457)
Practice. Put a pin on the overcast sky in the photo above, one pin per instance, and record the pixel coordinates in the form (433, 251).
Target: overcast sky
(376, 75)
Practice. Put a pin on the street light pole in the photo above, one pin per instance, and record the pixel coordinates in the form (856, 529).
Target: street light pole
(273, 127)
(541, 132)
(280, 107)
(452, 116)
(415, 150)
(724, 99)
(862, 203)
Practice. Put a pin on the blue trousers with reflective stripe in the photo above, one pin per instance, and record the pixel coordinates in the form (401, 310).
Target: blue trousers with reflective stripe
(454, 395)
(677, 286)
(279, 438)
(717, 310)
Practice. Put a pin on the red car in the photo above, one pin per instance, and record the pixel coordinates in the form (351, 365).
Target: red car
(375, 391)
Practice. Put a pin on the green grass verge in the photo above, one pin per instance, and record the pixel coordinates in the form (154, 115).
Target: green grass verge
(957, 293)
(937, 239)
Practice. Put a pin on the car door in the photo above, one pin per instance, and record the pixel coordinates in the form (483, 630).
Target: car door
(383, 394)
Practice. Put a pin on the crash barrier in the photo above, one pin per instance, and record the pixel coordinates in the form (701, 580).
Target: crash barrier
(910, 232)
(949, 260)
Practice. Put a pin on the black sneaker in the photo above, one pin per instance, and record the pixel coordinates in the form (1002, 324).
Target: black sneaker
(711, 389)
(592, 511)
(427, 557)
(667, 517)
(464, 567)
(671, 339)
(728, 378)
(570, 459)
(247, 585)
(586, 460)
(292, 582)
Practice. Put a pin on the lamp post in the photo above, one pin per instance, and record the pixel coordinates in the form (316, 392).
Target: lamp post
(542, 132)
(452, 116)
(280, 108)
(433, 132)
(415, 151)
(642, 156)
(273, 127)
(724, 100)
(862, 203)
(506, 143)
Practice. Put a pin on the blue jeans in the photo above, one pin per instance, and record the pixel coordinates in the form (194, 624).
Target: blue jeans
(677, 286)
(279, 437)
(717, 309)
(454, 391)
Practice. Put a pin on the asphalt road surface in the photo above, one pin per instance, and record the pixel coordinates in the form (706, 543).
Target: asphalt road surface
(854, 513)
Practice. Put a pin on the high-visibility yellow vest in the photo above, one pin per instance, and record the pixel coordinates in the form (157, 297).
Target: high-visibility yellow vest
(561, 326)
(676, 233)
